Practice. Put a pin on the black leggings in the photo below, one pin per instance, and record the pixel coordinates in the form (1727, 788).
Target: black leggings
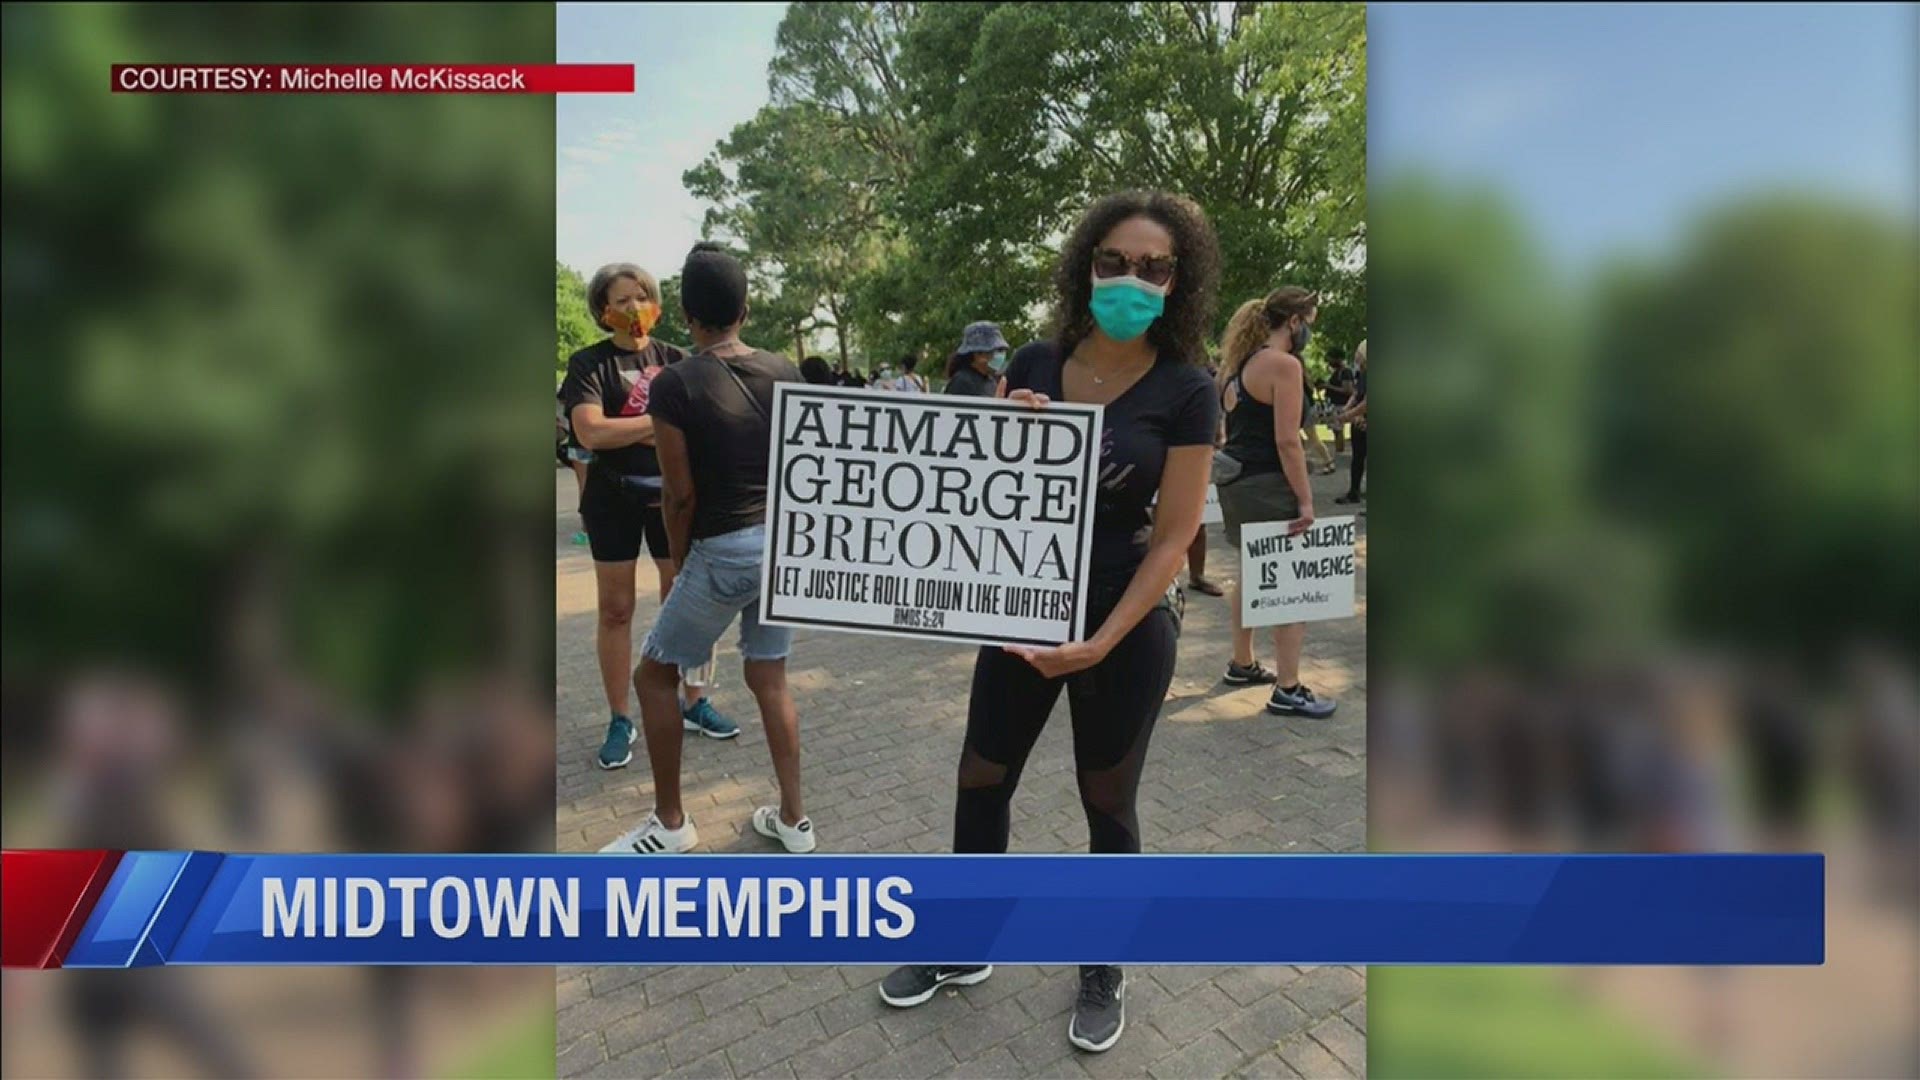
(1114, 705)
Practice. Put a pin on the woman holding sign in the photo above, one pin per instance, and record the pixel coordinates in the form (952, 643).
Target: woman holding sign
(1135, 292)
(1262, 470)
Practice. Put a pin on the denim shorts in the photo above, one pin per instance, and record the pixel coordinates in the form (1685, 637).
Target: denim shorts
(719, 580)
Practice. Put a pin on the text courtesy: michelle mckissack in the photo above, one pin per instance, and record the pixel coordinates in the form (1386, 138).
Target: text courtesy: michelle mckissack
(372, 78)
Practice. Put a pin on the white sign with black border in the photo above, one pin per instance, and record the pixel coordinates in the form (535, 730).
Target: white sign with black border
(954, 518)
(1294, 579)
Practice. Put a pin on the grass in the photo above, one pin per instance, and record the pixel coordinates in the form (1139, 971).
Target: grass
(521, 1052)
(1436, 1023)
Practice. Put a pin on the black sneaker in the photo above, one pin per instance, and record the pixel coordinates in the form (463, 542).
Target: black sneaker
(1100, 1013)
(910, 986)
(1298, 701)
(1251, 675)
(1349, 500)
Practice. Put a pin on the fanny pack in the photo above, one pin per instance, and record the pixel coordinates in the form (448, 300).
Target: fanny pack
(1104, 597)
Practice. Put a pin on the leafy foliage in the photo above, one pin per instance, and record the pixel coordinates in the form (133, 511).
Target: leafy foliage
(918, 163)
(301, 388)
(576, 329)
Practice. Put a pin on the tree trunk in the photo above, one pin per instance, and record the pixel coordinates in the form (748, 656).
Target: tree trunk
(839, 331)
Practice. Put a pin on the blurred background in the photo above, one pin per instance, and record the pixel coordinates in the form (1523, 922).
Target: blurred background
(275, 505)
(1647, 501)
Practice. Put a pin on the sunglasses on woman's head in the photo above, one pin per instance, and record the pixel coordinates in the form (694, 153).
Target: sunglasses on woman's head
(1152, 269)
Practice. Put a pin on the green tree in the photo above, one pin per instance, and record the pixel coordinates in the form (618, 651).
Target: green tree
(576, 329)
(1478, 401)
(917, 164)
(672, 327)
(1030, 111)
(785, 189)
(1774, 356)
(298, 276)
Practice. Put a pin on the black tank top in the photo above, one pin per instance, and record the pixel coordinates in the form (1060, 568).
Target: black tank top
(1250, 439)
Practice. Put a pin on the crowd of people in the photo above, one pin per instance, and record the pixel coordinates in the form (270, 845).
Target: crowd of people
(676, 443)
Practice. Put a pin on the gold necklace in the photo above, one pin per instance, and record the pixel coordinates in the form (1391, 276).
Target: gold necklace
(1097, 380)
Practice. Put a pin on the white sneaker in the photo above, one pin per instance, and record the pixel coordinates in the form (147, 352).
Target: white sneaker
(798, 839)
(653, 838)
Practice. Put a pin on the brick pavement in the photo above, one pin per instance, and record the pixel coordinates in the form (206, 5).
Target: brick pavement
(881, 723)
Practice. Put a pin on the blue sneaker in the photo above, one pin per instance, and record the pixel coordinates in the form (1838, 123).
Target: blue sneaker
(618, 749)
(702, 717)
(1298, 701)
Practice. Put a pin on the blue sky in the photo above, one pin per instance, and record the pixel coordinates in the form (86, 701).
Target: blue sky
(699, 70)
(1610, 125)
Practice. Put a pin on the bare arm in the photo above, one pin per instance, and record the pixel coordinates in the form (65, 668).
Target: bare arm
(1183, 500)
(677, 495)
(1286, 435)
(597, 431)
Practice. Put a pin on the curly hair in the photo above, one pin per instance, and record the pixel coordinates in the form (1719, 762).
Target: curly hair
(1182, 328)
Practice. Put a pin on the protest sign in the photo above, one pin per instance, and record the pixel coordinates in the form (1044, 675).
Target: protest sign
(957, 518)
(1294, 579)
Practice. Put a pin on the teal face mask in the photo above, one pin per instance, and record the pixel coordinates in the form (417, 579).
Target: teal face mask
(1125, 306)
(997, 363)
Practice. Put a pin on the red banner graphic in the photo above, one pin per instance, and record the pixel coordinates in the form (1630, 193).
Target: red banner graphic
(373, 78)
(47, 896)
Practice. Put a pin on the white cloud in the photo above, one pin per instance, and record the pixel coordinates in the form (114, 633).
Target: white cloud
(585, 154)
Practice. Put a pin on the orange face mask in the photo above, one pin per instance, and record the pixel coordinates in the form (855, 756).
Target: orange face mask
(640, 324)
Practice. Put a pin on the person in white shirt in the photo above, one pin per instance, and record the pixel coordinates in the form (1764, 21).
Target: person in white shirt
(909, 380)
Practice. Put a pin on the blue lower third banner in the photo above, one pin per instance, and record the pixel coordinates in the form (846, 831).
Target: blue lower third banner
(209, 908)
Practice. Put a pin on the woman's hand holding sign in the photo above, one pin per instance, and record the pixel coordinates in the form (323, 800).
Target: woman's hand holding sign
(1060, 660)
(1302, 523)
(1030, 399)
(1074, 656)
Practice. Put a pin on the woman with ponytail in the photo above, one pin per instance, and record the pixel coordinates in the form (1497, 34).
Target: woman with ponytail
(1262, 474)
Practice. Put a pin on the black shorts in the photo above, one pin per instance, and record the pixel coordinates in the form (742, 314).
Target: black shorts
(616, 527)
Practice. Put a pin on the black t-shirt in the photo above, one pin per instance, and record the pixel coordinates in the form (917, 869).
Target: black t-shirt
(620, 382)
(1340, 385)
(970, 383)
(1171, 405)
(1360, 395)
(728, 440)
